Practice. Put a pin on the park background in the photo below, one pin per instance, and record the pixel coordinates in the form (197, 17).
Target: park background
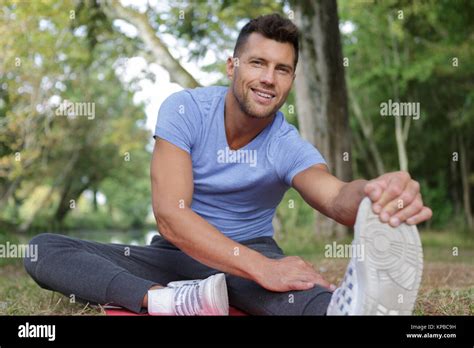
(89, 178)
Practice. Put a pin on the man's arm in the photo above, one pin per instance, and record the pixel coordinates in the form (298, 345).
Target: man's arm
(172, 191)
(395, 196)
(329, 195)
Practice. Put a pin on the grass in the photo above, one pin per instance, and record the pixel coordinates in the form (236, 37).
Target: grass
(447, 286)
(20, 295)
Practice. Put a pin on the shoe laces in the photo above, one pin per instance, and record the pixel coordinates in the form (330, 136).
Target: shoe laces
(187, 299)
(345, 293)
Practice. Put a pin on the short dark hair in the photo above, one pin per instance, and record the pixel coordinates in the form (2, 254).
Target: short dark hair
(271, 26)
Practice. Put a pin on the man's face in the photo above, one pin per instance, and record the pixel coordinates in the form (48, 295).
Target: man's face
(262, 75)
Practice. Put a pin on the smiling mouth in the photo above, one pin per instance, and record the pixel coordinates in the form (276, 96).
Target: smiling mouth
(263, 94)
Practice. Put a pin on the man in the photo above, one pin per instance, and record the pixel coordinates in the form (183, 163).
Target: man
(223, 159)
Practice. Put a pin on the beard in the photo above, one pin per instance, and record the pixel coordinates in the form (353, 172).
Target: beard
(249, 108)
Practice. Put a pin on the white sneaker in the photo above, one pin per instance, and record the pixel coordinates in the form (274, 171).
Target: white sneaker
(386, 279)
(191, 297)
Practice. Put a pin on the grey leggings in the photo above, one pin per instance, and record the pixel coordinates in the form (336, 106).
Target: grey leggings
(122, 274)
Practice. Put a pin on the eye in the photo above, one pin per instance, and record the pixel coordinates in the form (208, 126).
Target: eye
(256, 63)
(283, 70)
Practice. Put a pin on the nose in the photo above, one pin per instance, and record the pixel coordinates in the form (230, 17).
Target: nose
(267, 76)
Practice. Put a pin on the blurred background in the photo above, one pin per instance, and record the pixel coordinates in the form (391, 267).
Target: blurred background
(88, 175)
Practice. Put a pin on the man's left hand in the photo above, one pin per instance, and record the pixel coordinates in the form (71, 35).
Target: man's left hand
(396, 198)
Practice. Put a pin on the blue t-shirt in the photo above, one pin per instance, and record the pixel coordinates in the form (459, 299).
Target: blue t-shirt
(235, 191)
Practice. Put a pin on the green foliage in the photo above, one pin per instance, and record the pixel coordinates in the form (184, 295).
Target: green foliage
(398, 50)
(51, 55)
(294, 212)
(436, 197)
(211, 27)
(415, 52)
(7, 237)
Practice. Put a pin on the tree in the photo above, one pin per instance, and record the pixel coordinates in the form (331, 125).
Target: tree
(154, 45)
(321, 93)
(63, 154)
(412, 52)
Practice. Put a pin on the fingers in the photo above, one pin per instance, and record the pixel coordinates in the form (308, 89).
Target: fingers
(302, 274)
(315, 278)
(425, 214)
(300, 285)
(374, 190)
(396, 186)
(405, 199)
(413, 209)
(311, 276)
(309, 282)
(397, 199)
(324, 282)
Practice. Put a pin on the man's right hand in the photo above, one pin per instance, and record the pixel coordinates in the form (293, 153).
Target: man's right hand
(289, 273)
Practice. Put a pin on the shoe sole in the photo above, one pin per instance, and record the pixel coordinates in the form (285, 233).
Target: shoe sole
(389, 274)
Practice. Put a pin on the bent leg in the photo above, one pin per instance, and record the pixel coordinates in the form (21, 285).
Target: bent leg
(97, 272)
(247, 295)
(254, 299)
(122, 274)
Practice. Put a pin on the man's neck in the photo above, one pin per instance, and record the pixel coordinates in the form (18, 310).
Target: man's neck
(240, 129)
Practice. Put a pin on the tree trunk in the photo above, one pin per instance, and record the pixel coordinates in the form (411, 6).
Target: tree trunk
(465, 183)
(71, 192)
(153, 43)
(401, 146)
(401, 132)
(321, 94)
(94, 200)
(366, 126)
(6, 194)
(66, 172)
(359, 145)
(454, 177)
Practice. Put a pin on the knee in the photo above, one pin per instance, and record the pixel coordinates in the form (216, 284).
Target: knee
(317, 302)
(39, 246)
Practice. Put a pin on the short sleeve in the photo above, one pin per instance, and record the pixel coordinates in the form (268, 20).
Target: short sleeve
(179, 120)
(294, 155)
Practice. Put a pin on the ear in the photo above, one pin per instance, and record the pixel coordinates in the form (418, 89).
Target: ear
(230, 66)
